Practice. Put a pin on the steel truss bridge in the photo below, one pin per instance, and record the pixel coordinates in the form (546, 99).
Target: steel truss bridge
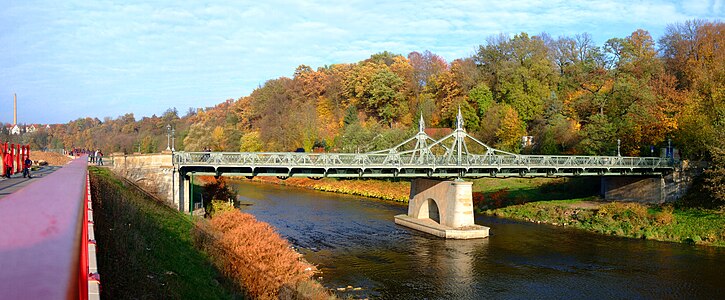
(456, 155)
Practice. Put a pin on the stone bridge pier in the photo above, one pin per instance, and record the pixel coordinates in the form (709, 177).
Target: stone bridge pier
(442, 208)
(157, 175)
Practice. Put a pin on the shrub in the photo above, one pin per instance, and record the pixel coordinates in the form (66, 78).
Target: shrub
(218, 206)
(256, 257)
(666, 216)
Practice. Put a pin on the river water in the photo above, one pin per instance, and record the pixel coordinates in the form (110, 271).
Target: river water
(354, 242)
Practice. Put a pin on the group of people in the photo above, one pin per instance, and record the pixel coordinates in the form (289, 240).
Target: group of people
(8, 162)
(94, 157)
(97, 157)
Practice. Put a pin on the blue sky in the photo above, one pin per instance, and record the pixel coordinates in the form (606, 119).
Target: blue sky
(70, 59)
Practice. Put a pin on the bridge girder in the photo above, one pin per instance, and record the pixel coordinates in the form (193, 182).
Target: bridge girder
(450, 156)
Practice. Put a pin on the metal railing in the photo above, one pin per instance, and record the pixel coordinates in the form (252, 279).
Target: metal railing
(458, 152)
(367, 160)
(43, 237)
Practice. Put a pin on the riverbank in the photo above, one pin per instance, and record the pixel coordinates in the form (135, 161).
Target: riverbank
(634, 220)
(145, 247)
(256, 256)
(397, 191)
(149, 250)
(487, 192)
(572, 202)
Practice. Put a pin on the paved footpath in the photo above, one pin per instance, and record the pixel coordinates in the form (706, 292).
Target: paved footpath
(16, 182)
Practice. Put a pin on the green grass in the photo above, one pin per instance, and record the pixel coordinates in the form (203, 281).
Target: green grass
(145, 249)
(662, 223)
(492, 193)
(539, 188)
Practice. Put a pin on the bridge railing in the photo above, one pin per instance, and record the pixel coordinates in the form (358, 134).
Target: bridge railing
(44, 241)
(292, 159)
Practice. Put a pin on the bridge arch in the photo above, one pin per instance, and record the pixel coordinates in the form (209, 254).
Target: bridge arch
(430, 209)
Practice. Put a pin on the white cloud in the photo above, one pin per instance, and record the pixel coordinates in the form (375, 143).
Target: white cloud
(196, 54)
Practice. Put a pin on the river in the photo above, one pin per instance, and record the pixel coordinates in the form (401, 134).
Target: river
(354, 242)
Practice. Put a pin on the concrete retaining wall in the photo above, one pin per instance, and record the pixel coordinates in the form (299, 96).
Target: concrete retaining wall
(154, 173)
(660, 189)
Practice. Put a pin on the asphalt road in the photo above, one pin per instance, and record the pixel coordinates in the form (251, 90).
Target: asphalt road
(16, 182)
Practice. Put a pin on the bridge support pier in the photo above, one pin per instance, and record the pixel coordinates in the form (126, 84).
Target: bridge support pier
(184, 195)
(442, 208)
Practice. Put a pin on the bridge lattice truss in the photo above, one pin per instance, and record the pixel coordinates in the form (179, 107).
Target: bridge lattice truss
(455, 155)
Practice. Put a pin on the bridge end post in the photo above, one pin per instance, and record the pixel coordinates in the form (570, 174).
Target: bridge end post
(184, 189)
(442, 208)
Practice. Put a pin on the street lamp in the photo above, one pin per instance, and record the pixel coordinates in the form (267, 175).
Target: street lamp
(168, 137)
(173, 139)
(619, 143)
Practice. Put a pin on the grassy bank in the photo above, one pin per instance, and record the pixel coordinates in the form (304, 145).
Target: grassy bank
(145, 250)
(487, 192)
(662, 223)
(257, 257)
(559, 201)
(491, 193)
(398, 191)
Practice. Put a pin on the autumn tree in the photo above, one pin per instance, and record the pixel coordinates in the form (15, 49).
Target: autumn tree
(519, 72)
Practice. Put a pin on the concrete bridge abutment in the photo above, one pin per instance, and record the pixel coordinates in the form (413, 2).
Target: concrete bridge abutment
(157, 175)
(442, 208)
(653, 189)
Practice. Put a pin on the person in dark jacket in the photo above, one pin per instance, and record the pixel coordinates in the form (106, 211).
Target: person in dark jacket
(26, 167)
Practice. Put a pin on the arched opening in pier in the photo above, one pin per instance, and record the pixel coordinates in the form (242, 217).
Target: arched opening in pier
(430, 209)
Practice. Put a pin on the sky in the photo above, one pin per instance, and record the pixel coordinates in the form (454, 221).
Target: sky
(71, 59)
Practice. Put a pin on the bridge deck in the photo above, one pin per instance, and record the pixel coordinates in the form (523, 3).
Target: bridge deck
(293, 164)
(418, 156)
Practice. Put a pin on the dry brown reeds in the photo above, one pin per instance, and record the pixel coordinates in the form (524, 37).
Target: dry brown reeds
(253, 254)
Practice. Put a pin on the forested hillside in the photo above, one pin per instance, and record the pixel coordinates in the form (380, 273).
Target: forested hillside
(571, 95)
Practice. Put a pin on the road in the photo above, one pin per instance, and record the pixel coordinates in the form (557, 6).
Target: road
(17, 182)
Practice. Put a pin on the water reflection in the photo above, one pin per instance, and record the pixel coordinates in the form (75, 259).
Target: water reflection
(355, 242)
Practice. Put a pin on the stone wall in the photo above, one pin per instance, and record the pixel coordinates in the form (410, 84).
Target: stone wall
(658, 189)
(154, 173)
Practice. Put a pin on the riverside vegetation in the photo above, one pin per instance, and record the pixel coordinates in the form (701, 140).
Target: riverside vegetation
(145, 250)
(572, 202)
(149, 250)
(662, 223)
(254, 254)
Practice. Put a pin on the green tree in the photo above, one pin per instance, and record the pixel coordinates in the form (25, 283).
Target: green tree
(483, 98)
(519, 72)
(383, 97)
(598, 137)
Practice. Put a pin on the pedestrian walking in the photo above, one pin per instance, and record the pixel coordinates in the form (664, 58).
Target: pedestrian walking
(99, 157)
(26, 167)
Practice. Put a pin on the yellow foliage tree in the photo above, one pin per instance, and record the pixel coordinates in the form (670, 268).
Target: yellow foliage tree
(218, 139)
(250, 142)
(329, 126)
(510, 130)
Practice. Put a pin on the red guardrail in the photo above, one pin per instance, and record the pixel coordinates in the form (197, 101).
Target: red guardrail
(43, 237)
(13, 156)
